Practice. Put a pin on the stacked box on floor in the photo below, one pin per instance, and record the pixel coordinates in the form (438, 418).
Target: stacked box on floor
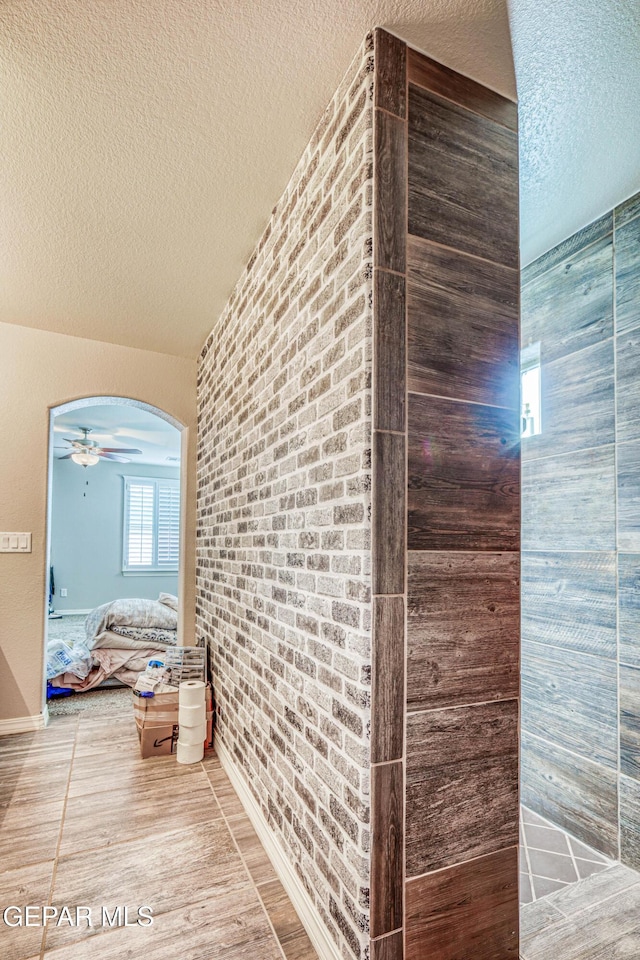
(157, 722)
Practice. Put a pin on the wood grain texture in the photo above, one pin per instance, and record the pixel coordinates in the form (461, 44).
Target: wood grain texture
(461, 784)
(101, 819)
(628, 276)
(578, 403)
(391, 73)
(610, 929)
(574, 793)
(626, 211)
(627, 385)
(629, 608)
(389, 485)
(231, 929)
(389, 187)
(462, 628)
(577, 243)
(292, 936)
(570, 306)
(569, 601)
(30, 833)
(387, 843)
(630, 822)
(628, 464)
(22, 886)
(387, 679)
(203, 864)
(389, 352)
(388, 948)
(463, 179)
(462, 326)
(453, 86)
(468, 911)
(630, 721)
(568, 502)
(600, 886)
(464, 467)
(571, 700)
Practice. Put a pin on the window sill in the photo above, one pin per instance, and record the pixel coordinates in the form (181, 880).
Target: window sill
(149, 573)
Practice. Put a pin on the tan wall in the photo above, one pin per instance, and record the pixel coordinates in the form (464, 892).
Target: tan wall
(39, 370)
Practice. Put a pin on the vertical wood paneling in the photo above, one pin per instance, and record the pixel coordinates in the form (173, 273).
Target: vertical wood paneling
(388, 466)
(391, 67)
(630, 721)
(388, 948)
(389, 208)
(387, 679)
(389, 354)
(387, 848)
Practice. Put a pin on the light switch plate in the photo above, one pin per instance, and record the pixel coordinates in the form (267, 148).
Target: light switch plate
(15, 543)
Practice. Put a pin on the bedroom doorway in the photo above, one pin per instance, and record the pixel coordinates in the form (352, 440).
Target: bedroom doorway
(114, 549)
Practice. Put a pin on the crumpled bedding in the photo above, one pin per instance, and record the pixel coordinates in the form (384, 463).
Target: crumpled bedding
(147, 617)
(124, 665)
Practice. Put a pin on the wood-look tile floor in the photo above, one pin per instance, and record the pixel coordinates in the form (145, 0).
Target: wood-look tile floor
(575, 904)
(85, 822)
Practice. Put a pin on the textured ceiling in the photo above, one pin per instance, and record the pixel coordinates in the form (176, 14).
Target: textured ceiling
(578, 69)
(143, 145)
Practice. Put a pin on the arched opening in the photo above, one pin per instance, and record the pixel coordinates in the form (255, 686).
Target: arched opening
(115, 535)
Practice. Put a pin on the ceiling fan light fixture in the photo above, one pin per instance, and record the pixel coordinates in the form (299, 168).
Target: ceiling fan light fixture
(85, 459)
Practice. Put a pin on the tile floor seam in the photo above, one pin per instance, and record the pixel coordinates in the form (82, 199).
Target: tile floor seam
(245, 865)
(60, 832)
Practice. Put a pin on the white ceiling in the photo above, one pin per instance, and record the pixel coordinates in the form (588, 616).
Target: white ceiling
(143, 145)
(121, 426)
(578, 69)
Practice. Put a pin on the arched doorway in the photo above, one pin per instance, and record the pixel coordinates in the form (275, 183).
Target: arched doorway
(115, 510)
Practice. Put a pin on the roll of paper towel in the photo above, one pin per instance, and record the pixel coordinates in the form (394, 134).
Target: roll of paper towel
(190, 752)
(193, 716)
(193, 735)
(191, 693)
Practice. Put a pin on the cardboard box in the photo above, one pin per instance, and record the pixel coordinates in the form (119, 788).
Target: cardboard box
(157, 722)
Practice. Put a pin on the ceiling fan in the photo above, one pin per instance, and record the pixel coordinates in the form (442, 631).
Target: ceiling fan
(87, 453)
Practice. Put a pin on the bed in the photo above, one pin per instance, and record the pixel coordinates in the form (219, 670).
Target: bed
(121, 637)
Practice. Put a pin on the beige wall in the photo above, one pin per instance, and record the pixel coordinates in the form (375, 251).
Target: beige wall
(39, 370)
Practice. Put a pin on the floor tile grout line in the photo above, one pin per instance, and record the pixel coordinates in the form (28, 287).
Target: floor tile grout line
(54, 872)
(244, 862)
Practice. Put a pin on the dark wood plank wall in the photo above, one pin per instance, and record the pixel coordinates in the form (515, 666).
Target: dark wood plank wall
(446, 311)
(581, 537)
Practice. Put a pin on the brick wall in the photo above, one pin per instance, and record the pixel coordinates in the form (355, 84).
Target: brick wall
(284, 527)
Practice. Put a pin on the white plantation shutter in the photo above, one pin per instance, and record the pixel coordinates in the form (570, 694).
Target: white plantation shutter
(168, 524)
(151, 524)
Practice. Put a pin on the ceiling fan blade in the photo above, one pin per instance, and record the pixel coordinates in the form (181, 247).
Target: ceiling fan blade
(110, 456)
(68, 457)
(118, 450)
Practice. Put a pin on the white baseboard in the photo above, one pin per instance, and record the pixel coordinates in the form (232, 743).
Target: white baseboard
(302, 903)
(24, 724)
(74, 613)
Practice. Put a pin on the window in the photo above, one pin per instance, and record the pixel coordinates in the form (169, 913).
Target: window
(151, 529)
(531, 390)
